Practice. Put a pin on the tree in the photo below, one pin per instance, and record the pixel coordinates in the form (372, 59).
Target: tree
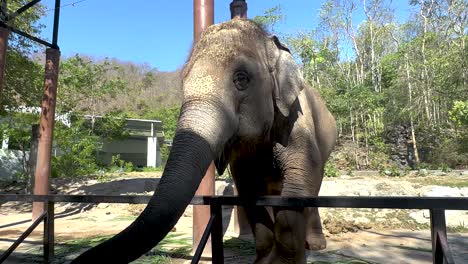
(85, 87)
(23, 75)
(17, 127)
(270, 18)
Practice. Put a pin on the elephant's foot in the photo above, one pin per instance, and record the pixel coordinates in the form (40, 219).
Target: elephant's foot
(315, 240)
(285, 243)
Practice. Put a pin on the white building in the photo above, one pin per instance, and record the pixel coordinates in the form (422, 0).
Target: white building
(142, 147)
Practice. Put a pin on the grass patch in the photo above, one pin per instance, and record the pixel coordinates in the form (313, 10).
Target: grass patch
(244, 247)
(450, 181)
(461, 228)
(152, 169)
(85, 218)
(174, 246)
(123, 218)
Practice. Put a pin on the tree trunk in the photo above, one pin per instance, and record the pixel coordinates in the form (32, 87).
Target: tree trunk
(410, 101)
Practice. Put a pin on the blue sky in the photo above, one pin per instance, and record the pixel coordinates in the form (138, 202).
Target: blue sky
(158, 33)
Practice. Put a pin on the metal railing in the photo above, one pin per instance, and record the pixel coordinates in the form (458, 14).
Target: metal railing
(436, 205)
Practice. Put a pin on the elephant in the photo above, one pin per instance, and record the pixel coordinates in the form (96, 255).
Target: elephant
(246, 106)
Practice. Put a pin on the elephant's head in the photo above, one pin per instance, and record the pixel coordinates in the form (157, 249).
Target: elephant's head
(236, 82)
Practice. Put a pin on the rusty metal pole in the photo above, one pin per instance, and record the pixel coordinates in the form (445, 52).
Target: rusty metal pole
(46, 129)
(238, 9)
(203, 17)
(4, 32)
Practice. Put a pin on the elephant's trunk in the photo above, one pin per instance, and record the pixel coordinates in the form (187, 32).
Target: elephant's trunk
(197, 140)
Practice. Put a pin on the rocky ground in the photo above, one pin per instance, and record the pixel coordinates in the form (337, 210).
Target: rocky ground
(353, 235)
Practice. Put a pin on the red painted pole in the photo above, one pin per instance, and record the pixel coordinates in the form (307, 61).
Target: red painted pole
(4, 32)
(203, 17)
(46, 129)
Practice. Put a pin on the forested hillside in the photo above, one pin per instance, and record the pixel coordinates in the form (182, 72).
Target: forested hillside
(397, 87)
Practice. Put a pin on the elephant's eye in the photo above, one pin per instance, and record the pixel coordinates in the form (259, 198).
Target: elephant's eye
(241, 80)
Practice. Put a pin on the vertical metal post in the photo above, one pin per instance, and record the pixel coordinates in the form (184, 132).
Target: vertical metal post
(238, 9)
(49, 239)
(56, 23)
(203, 17)
(440, 248)
(4, 32)
(46, 128)
(201, 213)
(217, 232)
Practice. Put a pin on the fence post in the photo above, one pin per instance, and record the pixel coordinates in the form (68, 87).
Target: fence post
(47, 122)
(217, 251)
(49, 232)
(203, 17)
(440, 248)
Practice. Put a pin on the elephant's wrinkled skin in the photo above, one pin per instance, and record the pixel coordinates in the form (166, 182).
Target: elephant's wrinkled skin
(246, 105)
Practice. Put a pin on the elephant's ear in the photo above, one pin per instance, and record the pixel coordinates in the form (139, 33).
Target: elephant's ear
(286, 74)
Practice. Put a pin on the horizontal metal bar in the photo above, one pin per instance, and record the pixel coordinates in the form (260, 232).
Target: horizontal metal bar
(404, 202)
(26, 35)
(23, 236)
(204, 239)
(128, 199)
(447, 203)
(21, 10)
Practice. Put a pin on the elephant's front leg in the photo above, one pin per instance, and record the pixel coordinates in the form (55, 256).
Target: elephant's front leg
(300, 182)
(284, 243)
(289, 237)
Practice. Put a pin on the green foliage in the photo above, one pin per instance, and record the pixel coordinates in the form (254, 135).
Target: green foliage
(23, 81)
(77, 150)
(111, 127)
(392, 171)
(17, 127)
(165, 150)
(78, 146)
(445, 168)
(152, 169)
(270, 18)
(225, 176)
(331, 170)
(119, 165)
(169, 117)
(23, 75)
(29, 22)
(86, 85)
(459, 113)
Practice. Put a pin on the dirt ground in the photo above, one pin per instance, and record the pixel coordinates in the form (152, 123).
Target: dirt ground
(353, 235)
